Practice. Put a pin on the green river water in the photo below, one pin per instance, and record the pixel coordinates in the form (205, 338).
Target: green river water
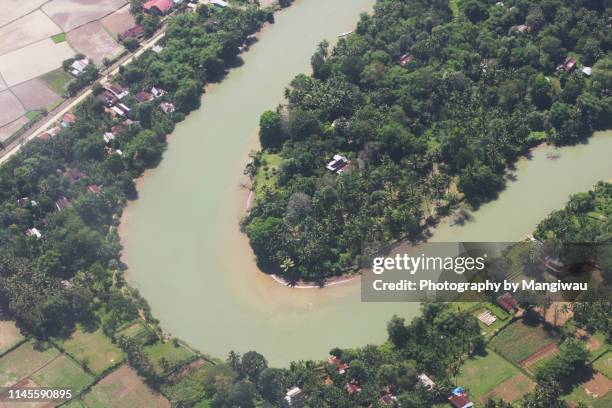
(182, 242)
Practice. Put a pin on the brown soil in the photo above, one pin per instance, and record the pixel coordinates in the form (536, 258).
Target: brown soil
(35, 94)
(598, 386)
(93, 41)
(540, 354)
(511, 389)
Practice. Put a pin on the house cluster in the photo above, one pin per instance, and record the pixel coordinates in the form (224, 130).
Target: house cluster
(78, 66)
(338, 164)
(111, 97)
(460, 399)
(163, 7)
(65, 122)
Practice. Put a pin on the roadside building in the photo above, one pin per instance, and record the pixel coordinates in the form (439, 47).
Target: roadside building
(157, 49)
(159, 7)
(116, 90)
(78, 66)
(68, 119)
(136, 32)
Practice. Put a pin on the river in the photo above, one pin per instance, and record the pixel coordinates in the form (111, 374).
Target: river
(185, 252)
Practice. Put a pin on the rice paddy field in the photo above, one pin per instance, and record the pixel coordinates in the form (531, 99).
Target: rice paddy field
(23, 362)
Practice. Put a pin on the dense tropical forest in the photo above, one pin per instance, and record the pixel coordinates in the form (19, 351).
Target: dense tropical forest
(61, 197)
(424, 105)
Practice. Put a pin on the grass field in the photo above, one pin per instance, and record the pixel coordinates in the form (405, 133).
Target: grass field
(95, 350)
(481, 374)
(123, 389)
(604, 364)
(519, 340)
(64, 373)
(74, 403)
(174, 355)
(23, 361)
(542, 362)
(10, 335)
(266, 176)
(58, 38)
(57, 80)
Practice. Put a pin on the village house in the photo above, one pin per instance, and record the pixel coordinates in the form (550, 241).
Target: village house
(79, 66)
(136, 32)
(108, 137)
(426, 382)
(159, 7)
(554, 265)
(143, 96)
(120, 109)
(68, 119)
(92, 188)
(74, 175)
(352, 387)
(459, 399)
(157, 92)
(339, 364)
(406, 59)
(338, 164)
(116, 90)
(33, 232)
(292, 395)
(219, 3)
(107, 98)
(62, 203)
(588, 71)
(507, 302)
(167, 107)
(569, 64)
(44, 136)
(157, 49)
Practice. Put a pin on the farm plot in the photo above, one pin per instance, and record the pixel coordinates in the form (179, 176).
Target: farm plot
(94, 350)
(8, 130)
(23, 361)
(92, 40)
(511, 389)
(70, 14)
(9, 333)
(519, 340)
(62, 373)
(538, 359)
(124, 389)
(15, 68)
(57, 80)
(604, 364)
(481, 374)
(35, 94)
(118, 22)
(594, 393)
(28, 29)
(137, 332)
(17, 9)
(10, 108)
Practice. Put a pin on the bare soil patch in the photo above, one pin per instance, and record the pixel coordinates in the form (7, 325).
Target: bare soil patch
(9, 333)
(35, 94)
(33, 60)
(26, 30)
(540, 354)
(94, 41)
(598, 386)
(10, 108)
(8, 130)
(511, 389)
(119, 21)
(18, 8)
(591, 342)
(70, 14)
(124, 389)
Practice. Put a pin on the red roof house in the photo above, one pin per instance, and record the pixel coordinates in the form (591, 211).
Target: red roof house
(158, 6)
(460, 401)
(143, 96)
(569, 64)
(94, 189)
(340, 365)
(406, 59)
(507, 302)
(352, 387)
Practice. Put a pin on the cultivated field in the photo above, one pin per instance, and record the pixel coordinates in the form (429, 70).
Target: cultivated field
(33, 60)
(70, 14)
(35, 94)
(2, 84)
(519, 340)
(94, 41)
(29, 29)
(23, 362)
(10, 108)
(481, 374)
(9, 333)
(173, 354)
(18, 8)
(95, 350)
(137, 332)
(62, 373)
(119, 21)
(604, 364)
(124, 389)
(8, 130)
(511, 389)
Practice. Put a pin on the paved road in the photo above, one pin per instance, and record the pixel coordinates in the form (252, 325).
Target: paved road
(48, 123)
